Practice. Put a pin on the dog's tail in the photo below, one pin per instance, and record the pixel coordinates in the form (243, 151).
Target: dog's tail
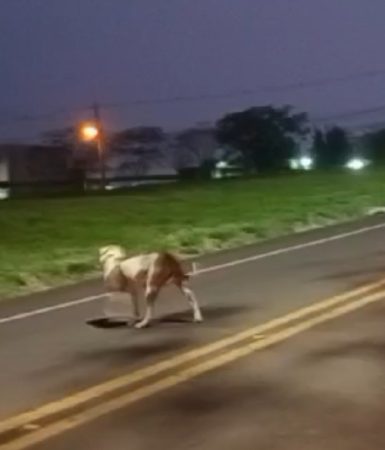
(191, 268)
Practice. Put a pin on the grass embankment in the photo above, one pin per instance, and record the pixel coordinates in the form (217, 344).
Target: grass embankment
(44, 242)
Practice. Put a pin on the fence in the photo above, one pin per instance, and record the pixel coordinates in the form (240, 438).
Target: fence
(81, 185)
(77, 186)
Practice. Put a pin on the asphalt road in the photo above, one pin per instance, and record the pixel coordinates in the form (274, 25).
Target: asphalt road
(321, 388)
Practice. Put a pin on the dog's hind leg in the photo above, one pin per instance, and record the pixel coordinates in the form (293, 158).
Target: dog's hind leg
(192, 300)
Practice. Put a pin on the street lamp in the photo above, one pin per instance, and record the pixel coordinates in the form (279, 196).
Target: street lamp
(91, 132)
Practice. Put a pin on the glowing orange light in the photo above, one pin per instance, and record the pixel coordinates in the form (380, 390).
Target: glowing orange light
(89, 132)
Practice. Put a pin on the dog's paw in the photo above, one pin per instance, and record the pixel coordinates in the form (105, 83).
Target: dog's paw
(140, 325)
(198, 319)
(132, 322)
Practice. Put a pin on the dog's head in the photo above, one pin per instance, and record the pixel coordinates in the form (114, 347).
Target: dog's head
(115, 252)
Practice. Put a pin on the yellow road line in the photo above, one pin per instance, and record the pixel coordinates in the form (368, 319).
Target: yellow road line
(80, 398)
(187, 374)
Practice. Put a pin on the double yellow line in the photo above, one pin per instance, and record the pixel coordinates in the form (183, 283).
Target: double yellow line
(30, 428)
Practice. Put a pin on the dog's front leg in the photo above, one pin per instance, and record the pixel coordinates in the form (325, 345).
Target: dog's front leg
(117, 306)
(108, 309)
(147, 315)
(135, 305)
(133, 293)
(151, 294)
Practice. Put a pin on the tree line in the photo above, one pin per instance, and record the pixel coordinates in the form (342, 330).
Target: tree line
(260, 139)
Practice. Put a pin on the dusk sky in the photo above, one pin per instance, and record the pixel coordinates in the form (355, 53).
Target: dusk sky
(66, 54)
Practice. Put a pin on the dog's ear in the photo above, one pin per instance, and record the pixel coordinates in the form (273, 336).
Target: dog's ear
(112, 251)
(117, 251)
(103, 250)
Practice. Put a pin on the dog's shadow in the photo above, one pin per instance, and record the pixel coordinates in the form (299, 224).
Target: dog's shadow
(143, 345)
(211, 314)
(106, 323)
(155, 340)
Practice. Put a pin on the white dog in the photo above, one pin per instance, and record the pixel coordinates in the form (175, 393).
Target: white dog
(144, 272)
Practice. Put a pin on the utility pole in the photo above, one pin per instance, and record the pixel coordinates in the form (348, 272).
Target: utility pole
(101, 147)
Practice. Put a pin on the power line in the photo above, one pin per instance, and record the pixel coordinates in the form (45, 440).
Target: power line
(350, 114)
(307, 84)
(248, 91)
(53, 115)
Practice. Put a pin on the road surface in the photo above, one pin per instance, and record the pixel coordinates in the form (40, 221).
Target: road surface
(312, 379)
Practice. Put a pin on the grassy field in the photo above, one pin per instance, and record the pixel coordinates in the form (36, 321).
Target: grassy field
(44, 242)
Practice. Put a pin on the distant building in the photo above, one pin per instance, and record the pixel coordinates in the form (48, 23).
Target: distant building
(29, 168)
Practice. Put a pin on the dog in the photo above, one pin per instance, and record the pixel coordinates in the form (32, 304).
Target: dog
(148, 273)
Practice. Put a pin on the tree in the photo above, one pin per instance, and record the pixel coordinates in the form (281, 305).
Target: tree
(375, 144)
(332, 149)
(195, 147)
(193, 152)
(265, 136)
(319, 148)
(138, 148)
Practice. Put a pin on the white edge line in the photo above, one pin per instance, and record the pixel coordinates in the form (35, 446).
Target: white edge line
(38, 312)
(236, 262)
(292, 248)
